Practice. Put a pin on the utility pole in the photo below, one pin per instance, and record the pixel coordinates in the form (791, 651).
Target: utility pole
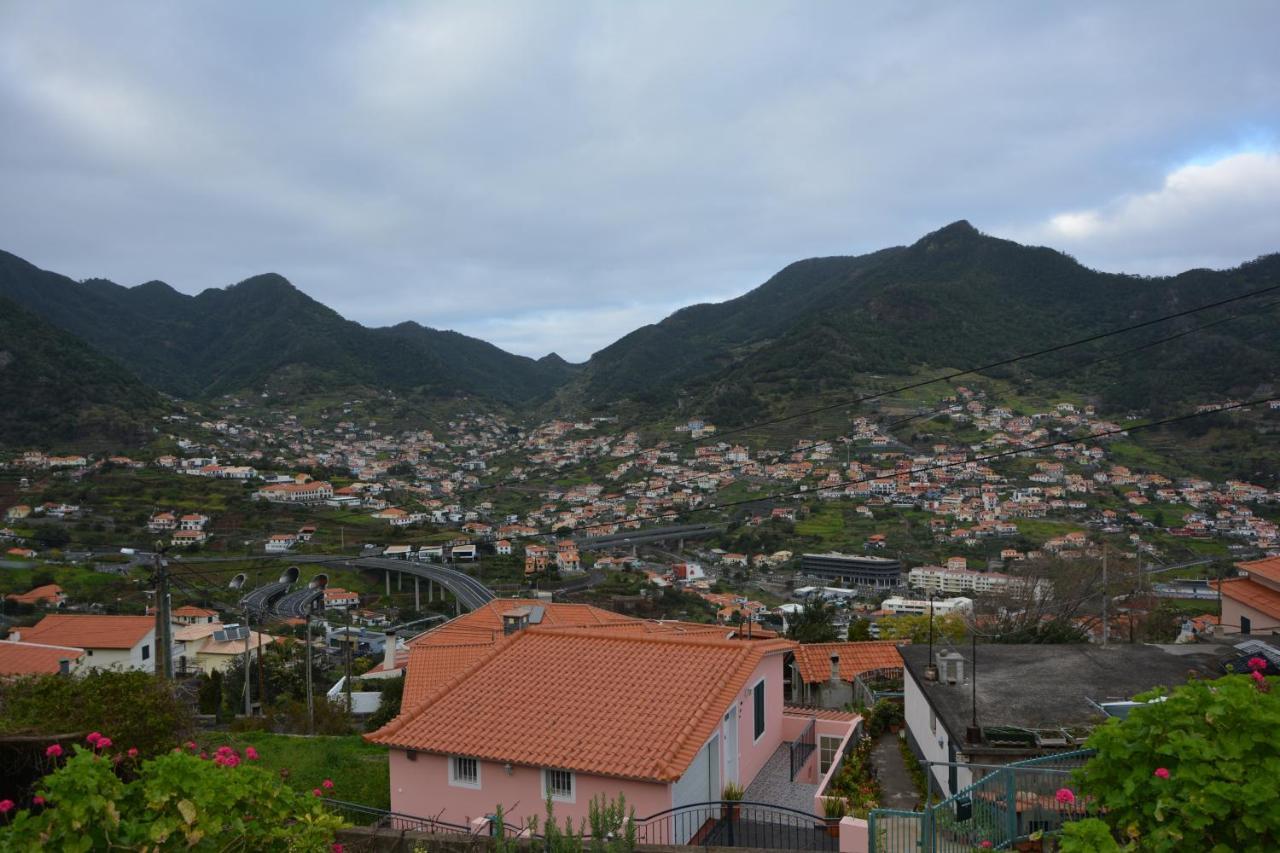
(248, 669)
(262, 679)
(347, 681)
(311, 699)
(164, 628)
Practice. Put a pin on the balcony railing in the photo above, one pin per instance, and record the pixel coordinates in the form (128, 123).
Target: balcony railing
(737, 824)
(803, 747)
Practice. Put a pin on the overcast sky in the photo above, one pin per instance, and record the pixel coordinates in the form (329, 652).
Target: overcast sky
(550, 176)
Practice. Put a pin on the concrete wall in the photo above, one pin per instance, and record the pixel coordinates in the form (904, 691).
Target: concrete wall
(930, 741)
(753, 754)
(1261, 623)
(124, 658)
(421, 787)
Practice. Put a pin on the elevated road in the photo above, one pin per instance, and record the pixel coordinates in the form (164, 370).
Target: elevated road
(298, 603)
(645, 535)
(258, 602)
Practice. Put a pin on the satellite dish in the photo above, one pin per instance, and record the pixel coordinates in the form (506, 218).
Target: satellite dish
(238, 581)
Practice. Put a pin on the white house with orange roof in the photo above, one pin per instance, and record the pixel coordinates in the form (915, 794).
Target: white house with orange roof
(1251, 602)
(18, 658)
(125, 642)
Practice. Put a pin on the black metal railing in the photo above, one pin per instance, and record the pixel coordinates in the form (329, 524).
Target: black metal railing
(803, 747)
(732, 823)
(374, 818)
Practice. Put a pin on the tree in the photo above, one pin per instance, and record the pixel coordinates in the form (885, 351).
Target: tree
(388, 704)
(859, 631)
(813, 623)
(916, 628)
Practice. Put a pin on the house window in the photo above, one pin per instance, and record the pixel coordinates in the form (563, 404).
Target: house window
(758, 698)
(464, 772)
(828, 749)
(146, 652)
(558, 785)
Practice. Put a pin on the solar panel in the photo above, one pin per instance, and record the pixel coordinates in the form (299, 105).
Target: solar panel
(231, 633)
(535, 614)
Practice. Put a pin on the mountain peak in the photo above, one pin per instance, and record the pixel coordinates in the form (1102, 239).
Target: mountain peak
(960, 229)
(266, 282)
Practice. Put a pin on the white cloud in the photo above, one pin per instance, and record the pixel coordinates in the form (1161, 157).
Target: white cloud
(1213, 214)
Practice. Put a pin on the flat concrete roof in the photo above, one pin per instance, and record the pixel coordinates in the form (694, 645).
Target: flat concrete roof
(1047, 686)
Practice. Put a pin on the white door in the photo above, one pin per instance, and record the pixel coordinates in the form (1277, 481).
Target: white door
(731, 746)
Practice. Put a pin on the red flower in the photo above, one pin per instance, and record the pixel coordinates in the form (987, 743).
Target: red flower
(93, 737)
(337, 848)
(317, 792)
(1257, 677)
(53, 751)
(251, 753)
(986, 845)
(1161, 773)
(1065, 796)
(133, 752)
(327, 784)
(1256, 664)
(103, 743)
(6, 806)
(37, 800)
(191, 745)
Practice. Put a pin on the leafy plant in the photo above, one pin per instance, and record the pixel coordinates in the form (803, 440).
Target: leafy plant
(1196, 771)
(177, 801)
(834, 808)
(1090, 835)
(732, 791)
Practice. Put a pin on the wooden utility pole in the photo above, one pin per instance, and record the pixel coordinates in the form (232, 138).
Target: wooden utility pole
(164, 627)
(1106, 626)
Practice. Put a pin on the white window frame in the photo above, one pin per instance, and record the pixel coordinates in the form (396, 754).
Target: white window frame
(461, 782)
(823, 740)
(759, 717)
(556, 797)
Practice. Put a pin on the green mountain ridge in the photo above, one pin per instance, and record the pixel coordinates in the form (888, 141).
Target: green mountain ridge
(235, 338)
(955, 297)
(56, 390)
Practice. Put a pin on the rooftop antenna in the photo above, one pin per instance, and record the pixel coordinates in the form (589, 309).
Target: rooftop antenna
(931, 667)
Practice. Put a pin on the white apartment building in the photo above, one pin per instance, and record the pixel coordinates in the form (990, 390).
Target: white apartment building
(898, 606)
(952, 581)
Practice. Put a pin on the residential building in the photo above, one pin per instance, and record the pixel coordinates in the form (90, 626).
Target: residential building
(938, 579)
(567, 559)
(659, 715)
(281, 543)
(18, 658)
(1251, 602)
(127, 642)
(1027, 700)
(822, 674)
(189, 614)
(336, 598)
(48, 595)
(898, 605)
(301, 493)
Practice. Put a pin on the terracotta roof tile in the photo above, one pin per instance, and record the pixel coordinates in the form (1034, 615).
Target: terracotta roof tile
(34, 658)
(596, 701)
(1253, 594)
(89, 632)
(814, 659)
(1267, 569)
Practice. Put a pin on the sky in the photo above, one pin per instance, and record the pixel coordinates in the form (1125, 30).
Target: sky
(549, 176)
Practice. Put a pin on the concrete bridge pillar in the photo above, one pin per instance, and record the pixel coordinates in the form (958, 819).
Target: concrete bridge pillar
(399, 581)
(388, 583)
(417, 600)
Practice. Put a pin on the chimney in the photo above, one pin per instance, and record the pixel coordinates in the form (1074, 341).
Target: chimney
(389, 651)
(950, 667)
(835, 669)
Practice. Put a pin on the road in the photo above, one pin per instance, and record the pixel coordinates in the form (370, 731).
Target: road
(298, 603)
(649, 534)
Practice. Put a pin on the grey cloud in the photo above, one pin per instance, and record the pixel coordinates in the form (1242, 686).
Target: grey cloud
(548, 176)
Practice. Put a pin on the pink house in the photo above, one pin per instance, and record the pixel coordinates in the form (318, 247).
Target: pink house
(663, 713)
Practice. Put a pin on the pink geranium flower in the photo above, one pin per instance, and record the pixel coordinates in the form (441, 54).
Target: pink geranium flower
(103, 743)
(251, 753)
(986, 845)
(133, 752)
(317, 792)
(37, 800)
(327, 784)
(337, 848)
(1257, 677)
(191, 745)
(93, 737)
(54, 750)
(6, 806)
(1256, 663)
(1161, 773)
(1065, 796)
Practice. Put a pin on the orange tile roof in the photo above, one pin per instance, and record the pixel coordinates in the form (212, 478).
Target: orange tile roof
(48, 592)
(486, 622)
(1252, 594)
(637, 706)
(814, 659)
(192, 610)
(34, 658)
(1268, 569)
(89, 632)
(820, 713)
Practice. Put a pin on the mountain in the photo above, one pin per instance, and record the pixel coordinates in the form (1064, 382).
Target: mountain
(54, 389)
(956, 298)
(240, 337)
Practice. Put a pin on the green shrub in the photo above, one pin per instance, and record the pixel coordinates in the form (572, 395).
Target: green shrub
(1197, 771)
(141, 710)
(176, 801)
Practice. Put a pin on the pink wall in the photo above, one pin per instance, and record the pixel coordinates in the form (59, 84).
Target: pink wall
(1232, 610)
(833, 727)
(421, 788)
(753, 754)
